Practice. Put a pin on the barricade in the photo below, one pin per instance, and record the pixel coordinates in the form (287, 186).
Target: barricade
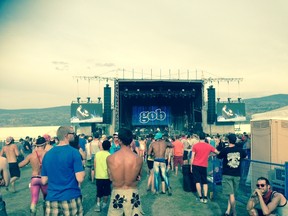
(188, 181)
(250, 171)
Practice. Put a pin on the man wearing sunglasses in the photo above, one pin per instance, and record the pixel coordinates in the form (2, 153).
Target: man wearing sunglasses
(264, 201)
(115, 146)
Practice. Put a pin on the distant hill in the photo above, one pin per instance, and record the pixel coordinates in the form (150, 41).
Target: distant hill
(35, 117)
(264, 104)
(61, 115)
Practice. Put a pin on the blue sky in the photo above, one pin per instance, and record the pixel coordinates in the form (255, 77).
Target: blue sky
(43, 44)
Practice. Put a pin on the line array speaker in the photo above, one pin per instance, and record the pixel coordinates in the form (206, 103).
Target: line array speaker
(211, 111)
(107, 115)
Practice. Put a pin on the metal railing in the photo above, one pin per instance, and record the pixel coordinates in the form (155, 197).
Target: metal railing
(250, 171)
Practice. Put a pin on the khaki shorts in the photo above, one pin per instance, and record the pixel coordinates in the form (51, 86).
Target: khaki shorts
(230, 184)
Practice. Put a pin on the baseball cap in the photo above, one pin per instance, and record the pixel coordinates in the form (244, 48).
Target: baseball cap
(9, 140)
(158, 136)
(40, 141)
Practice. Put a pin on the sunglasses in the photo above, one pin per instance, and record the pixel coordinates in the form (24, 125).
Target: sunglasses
(72, 133)
(260, 185)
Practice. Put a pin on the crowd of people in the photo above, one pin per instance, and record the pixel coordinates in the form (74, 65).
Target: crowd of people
(59, 166)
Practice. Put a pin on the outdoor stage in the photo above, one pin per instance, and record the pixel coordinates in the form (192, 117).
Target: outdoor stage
(149, 104)
(146, 105)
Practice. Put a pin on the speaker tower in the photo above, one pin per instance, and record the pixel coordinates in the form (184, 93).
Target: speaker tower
(107, 115)
(211, 110)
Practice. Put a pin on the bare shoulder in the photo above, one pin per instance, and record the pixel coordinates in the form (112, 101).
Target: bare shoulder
(111, 157)
(277, 196)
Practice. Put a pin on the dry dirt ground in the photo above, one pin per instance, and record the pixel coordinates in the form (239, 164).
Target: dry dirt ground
(180, 203)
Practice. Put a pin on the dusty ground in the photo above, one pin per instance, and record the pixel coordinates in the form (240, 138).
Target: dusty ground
(180, 203)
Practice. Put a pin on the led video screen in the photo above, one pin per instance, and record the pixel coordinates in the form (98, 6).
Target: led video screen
(151, 115)
(86, 113)
(231, 112)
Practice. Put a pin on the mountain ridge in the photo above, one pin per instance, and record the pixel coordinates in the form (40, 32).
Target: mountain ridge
(60, 115)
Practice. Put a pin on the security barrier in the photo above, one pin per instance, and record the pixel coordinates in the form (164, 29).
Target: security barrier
(250, 171)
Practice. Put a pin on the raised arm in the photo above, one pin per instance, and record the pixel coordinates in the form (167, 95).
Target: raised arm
(25, 161)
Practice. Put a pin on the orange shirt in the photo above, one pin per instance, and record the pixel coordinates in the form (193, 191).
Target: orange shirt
(178, 147)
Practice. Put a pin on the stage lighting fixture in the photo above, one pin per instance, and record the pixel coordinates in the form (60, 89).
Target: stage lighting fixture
(152, 90)
(138, 90)
(218, 99)
(99, 99)
(78, 99)
(193, 92)
(229, 100)
(126, 90)
(239, 100)
(88, 99)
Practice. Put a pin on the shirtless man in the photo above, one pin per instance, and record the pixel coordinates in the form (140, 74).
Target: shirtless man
(11, 151)
(4, 182)
(265, 201)
(158, 147)
(35, 159)
(124, 169)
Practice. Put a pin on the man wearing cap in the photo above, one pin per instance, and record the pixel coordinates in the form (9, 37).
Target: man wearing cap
(158, 147)
(35, 159)
(62, 169)
(11, 151)
(232, 158)
(114, 144)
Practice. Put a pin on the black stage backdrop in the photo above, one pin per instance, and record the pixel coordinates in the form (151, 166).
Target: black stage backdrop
(144, 104)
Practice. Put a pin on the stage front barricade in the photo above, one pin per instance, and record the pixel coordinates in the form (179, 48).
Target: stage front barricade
(251, 170)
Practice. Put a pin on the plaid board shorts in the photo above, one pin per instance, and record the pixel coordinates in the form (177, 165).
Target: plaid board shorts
(67, 207)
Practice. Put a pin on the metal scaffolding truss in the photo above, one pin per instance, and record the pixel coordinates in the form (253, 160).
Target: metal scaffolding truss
(116, 105)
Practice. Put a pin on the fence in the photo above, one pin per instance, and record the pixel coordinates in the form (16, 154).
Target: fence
(250, 171)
